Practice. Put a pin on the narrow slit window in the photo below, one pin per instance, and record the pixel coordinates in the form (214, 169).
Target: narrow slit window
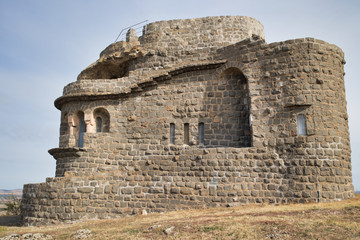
(82, 130)
(172, 133)
(98, 124)
(301, 124)
(186, 133)
(201, 133)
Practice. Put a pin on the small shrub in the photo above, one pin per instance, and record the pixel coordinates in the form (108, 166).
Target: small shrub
(12, 204)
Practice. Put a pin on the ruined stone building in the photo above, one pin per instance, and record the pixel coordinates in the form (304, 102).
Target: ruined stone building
(198, 113)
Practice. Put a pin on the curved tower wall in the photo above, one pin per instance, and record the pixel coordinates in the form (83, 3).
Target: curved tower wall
(248, 95)
(305, 77)
(185, 36)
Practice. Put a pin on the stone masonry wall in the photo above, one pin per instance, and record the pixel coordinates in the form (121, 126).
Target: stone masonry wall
(249, 96)
(187, 40)
(194, 178)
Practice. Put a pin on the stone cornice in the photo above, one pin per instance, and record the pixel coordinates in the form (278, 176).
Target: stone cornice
(138, 87)
(66, 152)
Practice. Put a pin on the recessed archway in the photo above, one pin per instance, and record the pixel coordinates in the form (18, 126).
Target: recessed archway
(227, 106)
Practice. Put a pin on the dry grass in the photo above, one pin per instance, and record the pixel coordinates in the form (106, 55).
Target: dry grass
(339, 220)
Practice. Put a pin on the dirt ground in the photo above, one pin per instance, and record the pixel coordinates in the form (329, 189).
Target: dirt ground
(336, 220)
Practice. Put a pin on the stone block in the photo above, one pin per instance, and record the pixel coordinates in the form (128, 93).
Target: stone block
(175, 190)
(212, 190)
(127, 190)
(157, 190)
(85, 189)
(185, 191)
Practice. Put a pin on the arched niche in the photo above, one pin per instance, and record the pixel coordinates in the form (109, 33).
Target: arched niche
(227, 106)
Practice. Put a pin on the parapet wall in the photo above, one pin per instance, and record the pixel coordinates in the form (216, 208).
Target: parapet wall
(179, 36)
(258, 123)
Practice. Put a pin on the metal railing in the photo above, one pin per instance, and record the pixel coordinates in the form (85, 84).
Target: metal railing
(122, 32)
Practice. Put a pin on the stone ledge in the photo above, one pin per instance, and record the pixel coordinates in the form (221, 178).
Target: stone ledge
(66, 152)
(150, 81)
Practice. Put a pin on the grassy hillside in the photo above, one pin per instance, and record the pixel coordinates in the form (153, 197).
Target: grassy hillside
(338, 220)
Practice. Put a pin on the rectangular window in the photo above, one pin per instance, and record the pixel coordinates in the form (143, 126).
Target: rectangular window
(201, 133)
(301, 124)
(172, 133)
(186, 133)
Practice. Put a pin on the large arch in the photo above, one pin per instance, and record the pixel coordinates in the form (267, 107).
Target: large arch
(227, 105)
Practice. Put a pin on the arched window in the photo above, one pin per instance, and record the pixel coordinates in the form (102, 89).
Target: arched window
(98, 124)
(301, 124)
(102, 120)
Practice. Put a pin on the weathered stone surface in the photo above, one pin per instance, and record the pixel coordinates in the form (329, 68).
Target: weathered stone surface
(194, 113)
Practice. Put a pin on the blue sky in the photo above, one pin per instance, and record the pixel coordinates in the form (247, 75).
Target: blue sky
(45, 44)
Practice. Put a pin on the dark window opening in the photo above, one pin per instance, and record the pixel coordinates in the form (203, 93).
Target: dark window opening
(172, 133)
(201, 133)
(98, 124)
(82, 130)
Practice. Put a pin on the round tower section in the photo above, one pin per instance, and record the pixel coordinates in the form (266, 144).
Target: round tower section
(200, 33)
(310, 130)
(192, 40)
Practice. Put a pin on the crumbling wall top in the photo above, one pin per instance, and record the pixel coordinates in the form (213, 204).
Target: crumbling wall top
(176, 40)
(211, 31)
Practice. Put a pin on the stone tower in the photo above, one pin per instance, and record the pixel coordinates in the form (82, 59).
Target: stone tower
(198, 113)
